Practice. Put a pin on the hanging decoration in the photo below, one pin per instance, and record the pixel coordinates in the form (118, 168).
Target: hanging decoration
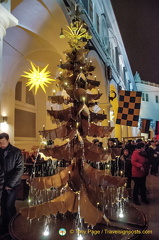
(77, 32)
(38, 77)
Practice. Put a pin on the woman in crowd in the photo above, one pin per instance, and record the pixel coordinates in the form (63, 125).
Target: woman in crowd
(140, 169)
(130, 145)
(125, 168)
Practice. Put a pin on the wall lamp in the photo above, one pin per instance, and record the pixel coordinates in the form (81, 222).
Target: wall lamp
(3, 119)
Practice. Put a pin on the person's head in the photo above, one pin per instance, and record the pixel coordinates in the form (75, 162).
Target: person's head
(154, 139)
(4, 140)
(126, 151)
(100, 144)
(95, 141)
(140, 146)
(129, 141)
(139, 140)
(157, 143)
(153, 143)
(110, 142)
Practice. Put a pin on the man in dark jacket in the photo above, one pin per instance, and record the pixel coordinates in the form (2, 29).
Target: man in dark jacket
(11, 170)
(153, 157)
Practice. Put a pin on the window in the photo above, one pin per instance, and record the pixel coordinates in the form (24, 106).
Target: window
(117, 59)
(147, 97)
(128, 85)
(18, 91)
(143, 97)
(104, 33)
(25, 112)
(85, 3)
(97, 22)
(113, 55)
(109, 48)
(157, 99)
(29, 97)
(91, 9)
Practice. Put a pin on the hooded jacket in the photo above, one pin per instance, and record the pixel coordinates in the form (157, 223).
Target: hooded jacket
(139, 160)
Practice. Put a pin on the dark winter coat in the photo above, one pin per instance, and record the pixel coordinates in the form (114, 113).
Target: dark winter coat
(139, 160)
(125, 165)
(11, 167)
(152, 153)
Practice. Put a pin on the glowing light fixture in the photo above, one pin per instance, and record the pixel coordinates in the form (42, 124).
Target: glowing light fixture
(79, 237)
(4, 123)
(44, 141)
(83, 99)
(61, 34)
(121, 214)
(46, 231)
(3, 119)
(38, 78)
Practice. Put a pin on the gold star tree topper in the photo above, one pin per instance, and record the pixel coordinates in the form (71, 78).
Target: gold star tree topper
(38, 78)
(77, 32)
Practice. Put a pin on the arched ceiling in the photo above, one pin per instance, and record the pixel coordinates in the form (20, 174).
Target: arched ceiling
(35, 38)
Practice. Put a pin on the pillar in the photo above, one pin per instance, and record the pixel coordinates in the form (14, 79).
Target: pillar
(6, 20)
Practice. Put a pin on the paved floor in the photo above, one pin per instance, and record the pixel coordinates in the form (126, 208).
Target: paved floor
(150, 210)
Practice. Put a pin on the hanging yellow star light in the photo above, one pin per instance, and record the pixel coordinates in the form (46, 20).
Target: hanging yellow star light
(38, 78)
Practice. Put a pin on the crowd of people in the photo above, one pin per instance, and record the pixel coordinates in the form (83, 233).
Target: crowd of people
(137, 160)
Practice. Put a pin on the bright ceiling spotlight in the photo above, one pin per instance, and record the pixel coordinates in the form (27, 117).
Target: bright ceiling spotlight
(38, 78)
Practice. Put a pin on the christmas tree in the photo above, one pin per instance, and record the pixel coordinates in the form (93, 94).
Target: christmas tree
(79, 189)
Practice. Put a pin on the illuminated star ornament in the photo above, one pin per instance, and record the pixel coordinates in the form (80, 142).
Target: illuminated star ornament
(38, 78)
(76, 32)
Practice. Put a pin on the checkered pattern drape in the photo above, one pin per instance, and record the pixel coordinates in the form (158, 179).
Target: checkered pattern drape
(129, 108)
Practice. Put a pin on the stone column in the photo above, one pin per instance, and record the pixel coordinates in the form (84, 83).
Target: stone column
(6, 20)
